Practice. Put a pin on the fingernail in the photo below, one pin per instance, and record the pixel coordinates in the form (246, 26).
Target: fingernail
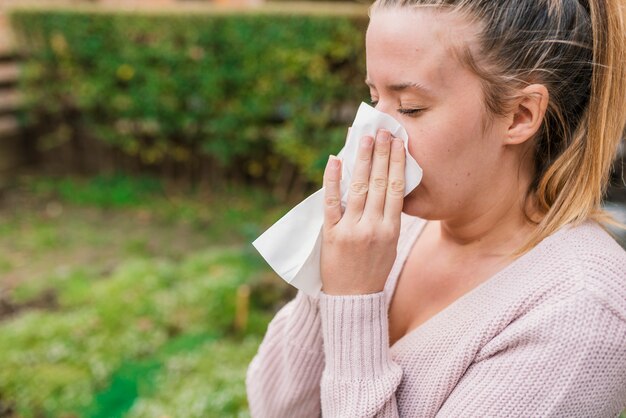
(333, 162)
(383, 135)
(367, 141)
(396, 143)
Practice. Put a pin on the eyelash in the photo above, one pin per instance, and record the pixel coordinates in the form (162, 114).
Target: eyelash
(408, 112)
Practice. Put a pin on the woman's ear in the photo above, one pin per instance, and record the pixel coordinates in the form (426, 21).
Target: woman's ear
(528, 114)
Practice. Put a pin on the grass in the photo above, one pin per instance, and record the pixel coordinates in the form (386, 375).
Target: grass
(122, 304)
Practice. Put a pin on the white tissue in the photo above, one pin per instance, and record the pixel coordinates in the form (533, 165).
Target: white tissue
(292, 245)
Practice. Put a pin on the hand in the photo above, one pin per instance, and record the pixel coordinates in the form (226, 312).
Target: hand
(359, 246)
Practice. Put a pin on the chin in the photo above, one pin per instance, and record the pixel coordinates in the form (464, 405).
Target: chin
(417, 204)
(408, 210)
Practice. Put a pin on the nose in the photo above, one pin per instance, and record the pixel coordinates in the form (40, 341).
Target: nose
(384, 107)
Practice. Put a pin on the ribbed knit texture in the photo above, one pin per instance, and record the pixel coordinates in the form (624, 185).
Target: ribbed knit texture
(544, 337)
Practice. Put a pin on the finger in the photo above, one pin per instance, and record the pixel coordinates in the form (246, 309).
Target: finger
(375, 204)
(395, 187)
(360, 179)
(332, 196)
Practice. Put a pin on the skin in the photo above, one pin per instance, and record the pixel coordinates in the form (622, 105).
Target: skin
(474, 179)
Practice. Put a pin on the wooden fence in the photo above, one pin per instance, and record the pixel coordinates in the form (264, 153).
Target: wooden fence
(11, 135)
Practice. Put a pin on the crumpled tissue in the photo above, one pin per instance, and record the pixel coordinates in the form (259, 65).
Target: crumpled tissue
(292, 245)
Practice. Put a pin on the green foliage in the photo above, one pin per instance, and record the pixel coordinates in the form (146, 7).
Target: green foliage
(248, 91)
(236, 211)
(110, 320)
(116, 190)
(206, 382)
(55, 363)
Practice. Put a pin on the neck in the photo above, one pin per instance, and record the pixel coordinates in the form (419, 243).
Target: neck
(494, 230)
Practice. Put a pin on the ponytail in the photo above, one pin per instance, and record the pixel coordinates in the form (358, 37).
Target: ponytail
(572, 188)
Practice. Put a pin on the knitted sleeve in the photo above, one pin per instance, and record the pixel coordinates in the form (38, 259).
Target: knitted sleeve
(360, 378)
(566, 359)
(283, 379)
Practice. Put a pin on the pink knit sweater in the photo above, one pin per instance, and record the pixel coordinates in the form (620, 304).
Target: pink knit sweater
(544, 337)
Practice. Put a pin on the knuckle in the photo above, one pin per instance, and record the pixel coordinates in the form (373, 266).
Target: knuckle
(330, 182)
(364, 156)
(380, 183)
(359, 188)
(332, 201)
(396, 186)
(367, 237)
(386, 235)
(382, 152)
(332, 240)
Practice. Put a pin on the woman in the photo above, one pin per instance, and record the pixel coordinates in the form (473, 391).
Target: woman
(497, 292)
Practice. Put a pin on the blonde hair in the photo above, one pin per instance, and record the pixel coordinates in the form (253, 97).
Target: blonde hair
(576, 49)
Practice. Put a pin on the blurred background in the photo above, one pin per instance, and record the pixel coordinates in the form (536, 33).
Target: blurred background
(143, 146)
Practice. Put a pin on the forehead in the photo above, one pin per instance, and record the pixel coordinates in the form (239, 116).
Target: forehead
(418, 45)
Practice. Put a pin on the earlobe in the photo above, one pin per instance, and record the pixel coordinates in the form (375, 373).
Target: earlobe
(528, 113)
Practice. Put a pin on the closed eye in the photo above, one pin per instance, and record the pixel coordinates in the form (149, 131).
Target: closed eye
(409, 111)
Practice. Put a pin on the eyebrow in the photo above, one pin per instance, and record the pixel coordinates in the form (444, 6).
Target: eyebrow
(404, 86)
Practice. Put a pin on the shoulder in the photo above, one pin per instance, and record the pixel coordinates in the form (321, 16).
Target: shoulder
(598, 262)
(577, 273)
(585, 314)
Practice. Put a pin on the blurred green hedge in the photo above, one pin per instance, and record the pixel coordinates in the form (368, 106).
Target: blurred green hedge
(246, 91)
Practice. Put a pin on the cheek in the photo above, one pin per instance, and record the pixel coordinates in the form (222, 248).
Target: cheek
(445, 135)
(447, 154)
(436, 149)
